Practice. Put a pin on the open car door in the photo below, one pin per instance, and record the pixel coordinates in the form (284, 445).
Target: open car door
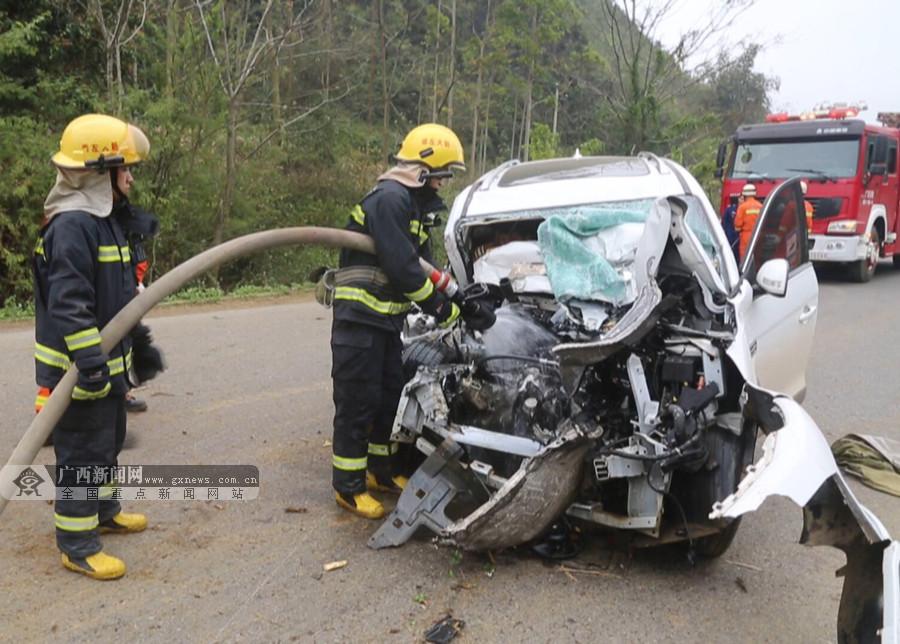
(782, 318)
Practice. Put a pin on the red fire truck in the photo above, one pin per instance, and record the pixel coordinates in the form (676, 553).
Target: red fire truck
(851, 170)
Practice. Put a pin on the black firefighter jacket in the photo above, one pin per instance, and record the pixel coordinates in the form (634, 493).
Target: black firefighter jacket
(396, 218)
(83, 276)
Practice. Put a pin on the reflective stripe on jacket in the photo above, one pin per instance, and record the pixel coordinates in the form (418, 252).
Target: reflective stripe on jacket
(393, 215)
(83, 276)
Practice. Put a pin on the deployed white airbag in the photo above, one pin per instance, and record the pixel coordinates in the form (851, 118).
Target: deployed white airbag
(520, 261)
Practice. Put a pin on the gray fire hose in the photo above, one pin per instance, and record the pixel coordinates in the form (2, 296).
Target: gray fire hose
(44, 422)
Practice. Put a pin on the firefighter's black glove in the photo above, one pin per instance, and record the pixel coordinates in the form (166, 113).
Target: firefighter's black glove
(478, 307)
(148, 359)
(478, 315)
(447, 313)
(93, 378)
(444, 312)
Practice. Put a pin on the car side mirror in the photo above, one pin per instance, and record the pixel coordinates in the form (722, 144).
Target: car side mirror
(772, 277)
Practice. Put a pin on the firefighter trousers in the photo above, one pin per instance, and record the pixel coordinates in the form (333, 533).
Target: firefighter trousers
(87, 439)
(367, 373)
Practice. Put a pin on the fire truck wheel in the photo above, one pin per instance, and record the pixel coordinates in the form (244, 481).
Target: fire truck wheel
(864, 269)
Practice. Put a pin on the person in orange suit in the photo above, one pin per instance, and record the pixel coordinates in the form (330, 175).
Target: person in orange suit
(807, 206)
(747, 214)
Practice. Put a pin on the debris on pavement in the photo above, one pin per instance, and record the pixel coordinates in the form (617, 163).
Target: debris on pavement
(463, 585)
(295, 510)
(334, 565)
(558, 543)
(444, 630)
(741, 564)
(740, 583)
(874, 460)
(569, 569)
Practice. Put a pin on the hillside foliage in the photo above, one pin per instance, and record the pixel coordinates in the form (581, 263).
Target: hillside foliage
(270, 113)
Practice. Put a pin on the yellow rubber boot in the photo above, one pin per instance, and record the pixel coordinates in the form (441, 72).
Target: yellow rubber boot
(97, 566)
(125, 522)
(365, 505)
(396, 486)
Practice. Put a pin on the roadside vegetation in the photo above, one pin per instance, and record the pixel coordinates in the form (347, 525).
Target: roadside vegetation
(13, 311)
(271, 113)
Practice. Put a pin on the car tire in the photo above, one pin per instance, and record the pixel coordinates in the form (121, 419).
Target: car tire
(863, 270)
(424, 353)
(729, 456)
(715, 545)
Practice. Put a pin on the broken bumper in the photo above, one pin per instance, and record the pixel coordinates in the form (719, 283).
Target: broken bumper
(797, 463)
(522, 509)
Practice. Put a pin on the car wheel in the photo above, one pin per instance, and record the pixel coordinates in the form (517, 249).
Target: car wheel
(423, 353)
(864, 269)
(729, 455)
(715, 545)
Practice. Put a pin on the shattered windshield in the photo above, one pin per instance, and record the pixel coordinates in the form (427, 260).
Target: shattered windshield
(699, 224)
(829, 158)
(589, 249)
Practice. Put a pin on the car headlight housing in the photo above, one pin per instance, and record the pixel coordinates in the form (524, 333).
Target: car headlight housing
(843, 226)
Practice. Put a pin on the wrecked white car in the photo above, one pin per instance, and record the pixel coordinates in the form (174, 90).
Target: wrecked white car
(631, 370)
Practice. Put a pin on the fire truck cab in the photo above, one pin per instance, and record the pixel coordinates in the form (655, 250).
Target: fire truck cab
(851, 169)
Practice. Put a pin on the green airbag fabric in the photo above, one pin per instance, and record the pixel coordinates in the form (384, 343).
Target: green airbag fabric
(575, 270)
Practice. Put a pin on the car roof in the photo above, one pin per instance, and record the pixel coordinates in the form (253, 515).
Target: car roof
(552, 183)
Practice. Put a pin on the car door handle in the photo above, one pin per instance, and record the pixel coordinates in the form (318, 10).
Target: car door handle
(807, 313)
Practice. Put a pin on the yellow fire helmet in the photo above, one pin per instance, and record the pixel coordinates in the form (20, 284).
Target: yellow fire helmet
(435, 146)
(99, 141)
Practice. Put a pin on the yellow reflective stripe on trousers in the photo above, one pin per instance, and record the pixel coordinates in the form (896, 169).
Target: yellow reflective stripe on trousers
(50, 356)
(351, 294)
(109, 254)
(76, 524)
(358, 215)
(83, 394)
(86, 338)
(349, 464)
(376, 449)
(423, 293)
(106, 490)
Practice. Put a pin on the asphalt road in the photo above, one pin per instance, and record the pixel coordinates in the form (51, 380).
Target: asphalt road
(251, 385)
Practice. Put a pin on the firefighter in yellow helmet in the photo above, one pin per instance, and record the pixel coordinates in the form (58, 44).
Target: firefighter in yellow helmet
(373, 294)
(83, 276)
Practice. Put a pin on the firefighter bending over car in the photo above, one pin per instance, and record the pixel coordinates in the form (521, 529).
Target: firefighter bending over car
(372, 295)
(83, 276)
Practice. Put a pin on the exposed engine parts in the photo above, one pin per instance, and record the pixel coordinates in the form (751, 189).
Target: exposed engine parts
(643, 415)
